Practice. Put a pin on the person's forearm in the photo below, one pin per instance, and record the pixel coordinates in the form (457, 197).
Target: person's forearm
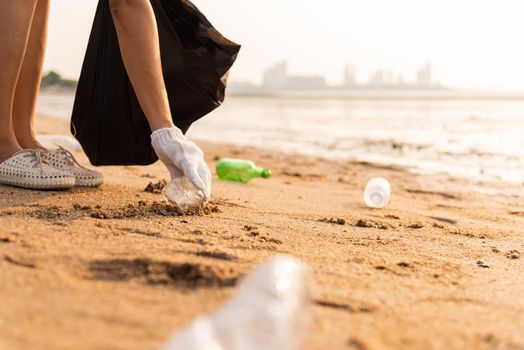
(139, 45)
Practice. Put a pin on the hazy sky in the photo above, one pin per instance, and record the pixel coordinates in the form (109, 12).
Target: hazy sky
(471, 43)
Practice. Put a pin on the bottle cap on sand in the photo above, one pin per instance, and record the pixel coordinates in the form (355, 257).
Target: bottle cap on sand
(266, 174)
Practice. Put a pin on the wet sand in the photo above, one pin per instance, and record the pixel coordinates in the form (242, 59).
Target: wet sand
(116, 268)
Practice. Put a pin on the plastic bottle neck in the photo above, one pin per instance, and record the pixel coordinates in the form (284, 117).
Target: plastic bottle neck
(261, 172)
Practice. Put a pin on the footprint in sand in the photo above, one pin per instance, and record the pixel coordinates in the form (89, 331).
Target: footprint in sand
(153, 273)
(20, 262)
(345, 307)
(444, 220)
(433, 193)
(217, 255)
(136, 231)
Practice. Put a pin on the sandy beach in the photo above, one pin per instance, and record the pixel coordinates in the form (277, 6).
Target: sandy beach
(115, 268)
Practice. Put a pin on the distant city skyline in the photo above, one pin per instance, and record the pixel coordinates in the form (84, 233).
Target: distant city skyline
(473, 44)
(277, 78)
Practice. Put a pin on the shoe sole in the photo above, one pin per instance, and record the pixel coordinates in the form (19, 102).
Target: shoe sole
(88, 183)
(63, 184)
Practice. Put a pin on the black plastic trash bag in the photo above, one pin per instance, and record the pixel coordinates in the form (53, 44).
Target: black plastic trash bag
(107, 119)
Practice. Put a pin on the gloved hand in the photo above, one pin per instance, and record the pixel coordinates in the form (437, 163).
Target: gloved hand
(182, 157)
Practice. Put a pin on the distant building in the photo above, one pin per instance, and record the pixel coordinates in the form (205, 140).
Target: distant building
(389, 78)
(350, 76)
(275, 78)
(306, 83)
(380, 79)
(425, 76)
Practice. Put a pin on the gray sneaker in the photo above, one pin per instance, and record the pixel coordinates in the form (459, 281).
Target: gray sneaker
(64, 160)
(26, 169)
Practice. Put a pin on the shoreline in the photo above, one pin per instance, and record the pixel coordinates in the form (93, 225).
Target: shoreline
(442, 267)
(57, 125)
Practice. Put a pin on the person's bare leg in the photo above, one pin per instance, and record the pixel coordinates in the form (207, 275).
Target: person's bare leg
(29, 80)
(140, 48)
(15, 23)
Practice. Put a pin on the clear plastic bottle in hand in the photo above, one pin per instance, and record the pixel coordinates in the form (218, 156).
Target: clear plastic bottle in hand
(378, 193)
(183, 193)
(271, 310)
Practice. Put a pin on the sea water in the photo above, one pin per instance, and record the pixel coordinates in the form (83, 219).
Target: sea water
(466, 137)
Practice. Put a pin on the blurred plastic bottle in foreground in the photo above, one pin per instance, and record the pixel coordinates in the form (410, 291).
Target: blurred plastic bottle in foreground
(183, 193)
(377, 193)
(239, 170)
(271, 310)
(51, 141)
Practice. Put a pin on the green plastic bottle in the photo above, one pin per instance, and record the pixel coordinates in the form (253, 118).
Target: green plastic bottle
(239, 170)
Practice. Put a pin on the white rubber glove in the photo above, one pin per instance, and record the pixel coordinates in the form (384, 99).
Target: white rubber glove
(182, 157)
